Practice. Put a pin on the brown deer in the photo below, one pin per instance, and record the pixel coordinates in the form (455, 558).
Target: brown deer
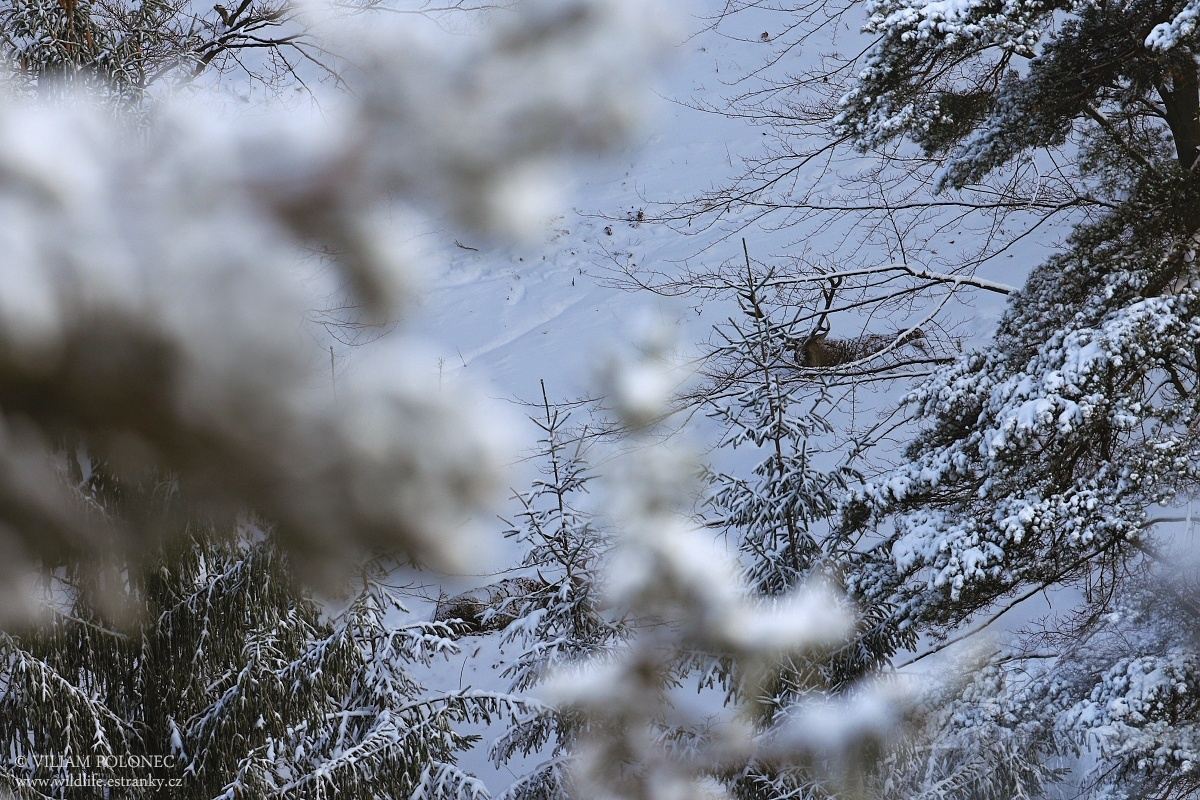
(818, 351)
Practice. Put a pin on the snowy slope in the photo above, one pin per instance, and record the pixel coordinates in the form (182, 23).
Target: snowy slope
(513, 316)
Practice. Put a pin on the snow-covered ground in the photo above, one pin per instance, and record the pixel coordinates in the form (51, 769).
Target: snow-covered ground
(512, 316)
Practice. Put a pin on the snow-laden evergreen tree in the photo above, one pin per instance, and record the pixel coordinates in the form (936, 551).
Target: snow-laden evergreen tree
(560, 621)
(243, 683)
(779, 511)
(688, 604)
(1062, 454)
(775, 511)
(564, 627)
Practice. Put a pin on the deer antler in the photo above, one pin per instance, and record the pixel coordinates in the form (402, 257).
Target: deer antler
(828, 295)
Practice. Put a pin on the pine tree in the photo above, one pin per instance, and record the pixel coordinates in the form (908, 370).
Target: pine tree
(560, 622)
(688, 607)
(1053, 457)
(781, 515)
(224, 666)
(773, 513)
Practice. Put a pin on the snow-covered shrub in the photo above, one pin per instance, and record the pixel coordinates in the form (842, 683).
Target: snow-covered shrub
(174, 472)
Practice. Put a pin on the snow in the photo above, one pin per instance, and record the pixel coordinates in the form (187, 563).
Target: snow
(809, 616)
(1167, 35)
(952, 20)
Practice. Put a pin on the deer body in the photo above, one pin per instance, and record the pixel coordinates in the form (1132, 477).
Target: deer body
(819, 351)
